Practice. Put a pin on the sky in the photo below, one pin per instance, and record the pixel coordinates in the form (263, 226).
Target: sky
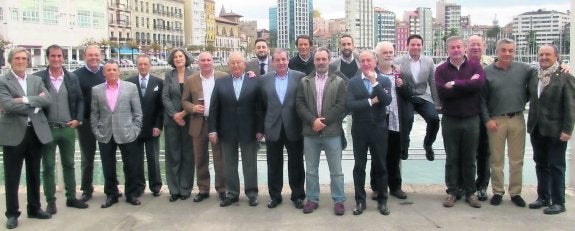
(482, 12)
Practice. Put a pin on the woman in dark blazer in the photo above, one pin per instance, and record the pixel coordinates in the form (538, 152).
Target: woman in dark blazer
(179, 156)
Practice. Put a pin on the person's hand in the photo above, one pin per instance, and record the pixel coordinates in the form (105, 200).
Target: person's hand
(42, 94)
(371, 76)
(564, 137)
(251, 74)
(73, 123)
(259, 136)
(156, 132)
(476, 76)
(213, 138)
(565, 68)
(449, 84)
(18, 100)
(374, 100)
(491, 125)
(398, 82)
(318, 124)
(199, 109)
(179, 118)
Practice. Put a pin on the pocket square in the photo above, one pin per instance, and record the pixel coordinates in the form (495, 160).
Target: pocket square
(156, 88)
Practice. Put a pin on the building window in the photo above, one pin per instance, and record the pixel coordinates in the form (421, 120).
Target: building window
(1, 14)
(51, 15)
(30, 15)
(98, 20)
(84, 18)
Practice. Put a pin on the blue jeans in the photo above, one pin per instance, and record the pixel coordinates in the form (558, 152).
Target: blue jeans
(312, 149)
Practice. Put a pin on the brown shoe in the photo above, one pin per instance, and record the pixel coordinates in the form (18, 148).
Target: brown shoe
(473, 201)
(449, 201)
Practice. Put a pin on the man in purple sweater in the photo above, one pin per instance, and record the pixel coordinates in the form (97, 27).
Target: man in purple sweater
(459, 82)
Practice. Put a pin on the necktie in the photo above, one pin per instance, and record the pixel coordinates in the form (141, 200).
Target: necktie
(143, 85)
(262, 68)
(367, 85)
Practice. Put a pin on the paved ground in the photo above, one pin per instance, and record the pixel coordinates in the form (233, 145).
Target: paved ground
(421, 211)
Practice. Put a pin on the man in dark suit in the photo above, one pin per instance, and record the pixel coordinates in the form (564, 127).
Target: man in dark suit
(550, 123)
(24, 129)
(116, 122)
(150, 89)
(367, 98)
(64, 115)
(88, 76)
(263, 63)
(283, 128)
(236, 121)
(196, 100)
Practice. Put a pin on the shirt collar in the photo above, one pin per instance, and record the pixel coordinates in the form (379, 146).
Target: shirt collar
(56, 78)
(204, 78)
(112, 86)
(321, 76)
(147, 77)
(90, 69)
(25, 76)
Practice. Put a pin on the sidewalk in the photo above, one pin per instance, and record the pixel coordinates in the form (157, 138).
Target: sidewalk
(422, 210)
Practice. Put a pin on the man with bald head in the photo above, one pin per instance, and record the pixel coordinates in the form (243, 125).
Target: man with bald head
(196, 100)
(367, 100)
(235, 120)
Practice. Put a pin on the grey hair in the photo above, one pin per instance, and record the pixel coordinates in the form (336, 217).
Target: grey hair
(504, 41)
(16, 50)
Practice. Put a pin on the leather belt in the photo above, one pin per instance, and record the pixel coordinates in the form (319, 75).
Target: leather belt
(57, 125)
(205, 118)
(512, 114)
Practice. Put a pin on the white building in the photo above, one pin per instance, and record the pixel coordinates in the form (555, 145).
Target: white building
(359, 22)
(194, 23)
(36, 24)
(421, 22)
(448, 15)
(384, 29)
(545, 26)
(292, 20)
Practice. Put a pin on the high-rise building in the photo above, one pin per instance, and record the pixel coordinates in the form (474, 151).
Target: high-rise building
(273, 32)
(195, 24)
(157, 25)
(68, 23)
(401, 34)
(210, 17)
(535, 28)
(359, 22)
(449, 15)
(420, 22)
(293, 19)
(384, 25)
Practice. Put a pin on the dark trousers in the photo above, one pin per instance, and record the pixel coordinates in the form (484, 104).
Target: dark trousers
(87, 142)
(249, 166)
(460, 138)
(549, 156)
(28, 150)
(369, 137)
(426, 110)
(179, 158)
(482, 157)
(152, 150)
(133, 166)
(393, 163)
(296, 172)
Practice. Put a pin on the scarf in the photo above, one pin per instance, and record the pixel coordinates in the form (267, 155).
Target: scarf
(544, 75)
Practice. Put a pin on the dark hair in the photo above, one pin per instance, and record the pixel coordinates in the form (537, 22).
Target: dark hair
(145, 56)
(303, 36)
(261, 40)
(555, 49)
(279, 51)
(52, 47)
(186, 55)
(414, 36)
(112, 61)
(346, 36)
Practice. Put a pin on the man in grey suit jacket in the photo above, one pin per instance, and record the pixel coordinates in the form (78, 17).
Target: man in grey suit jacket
(262, 64)
(24, 129)
(418, 71)
(116, 119)
(282, 127)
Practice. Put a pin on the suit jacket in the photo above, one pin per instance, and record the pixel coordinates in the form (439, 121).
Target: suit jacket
(358, 104)
(193, 90)
(254, 65)
(335, 67)
(553, 111)
(425, 89)
(152, 107)
(236, 119)
(278, 114)
(14, 116)
(75, 97)
(171, 94)
(125, 122)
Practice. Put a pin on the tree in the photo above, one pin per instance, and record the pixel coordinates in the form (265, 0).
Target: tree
(132, 44)
(155, 47)
(452, 32)
(532, 42)
(4, 44)
(492, 36)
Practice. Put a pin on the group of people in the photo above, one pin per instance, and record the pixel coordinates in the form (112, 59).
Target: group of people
(296, 103)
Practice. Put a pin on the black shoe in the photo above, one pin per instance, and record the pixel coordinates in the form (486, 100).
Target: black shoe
(496, 199)
(222, 195)
(174, 197)
(156, 193)
(482, 195)
(554, 209)
(110, 200)
(133, 201)
(201, 197)
(75, 203)
(404, 155)
(119, 194)
(517, 200)
(383, 209)
(253, 201)
(359, 207)
(39, 214)
(429, 154)
(539, 203)
(298, 203)
(12, 223)
(273, 203)
(85, 197)
(51, 208)
(184, 197)
(399, 194)
(229, 201)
